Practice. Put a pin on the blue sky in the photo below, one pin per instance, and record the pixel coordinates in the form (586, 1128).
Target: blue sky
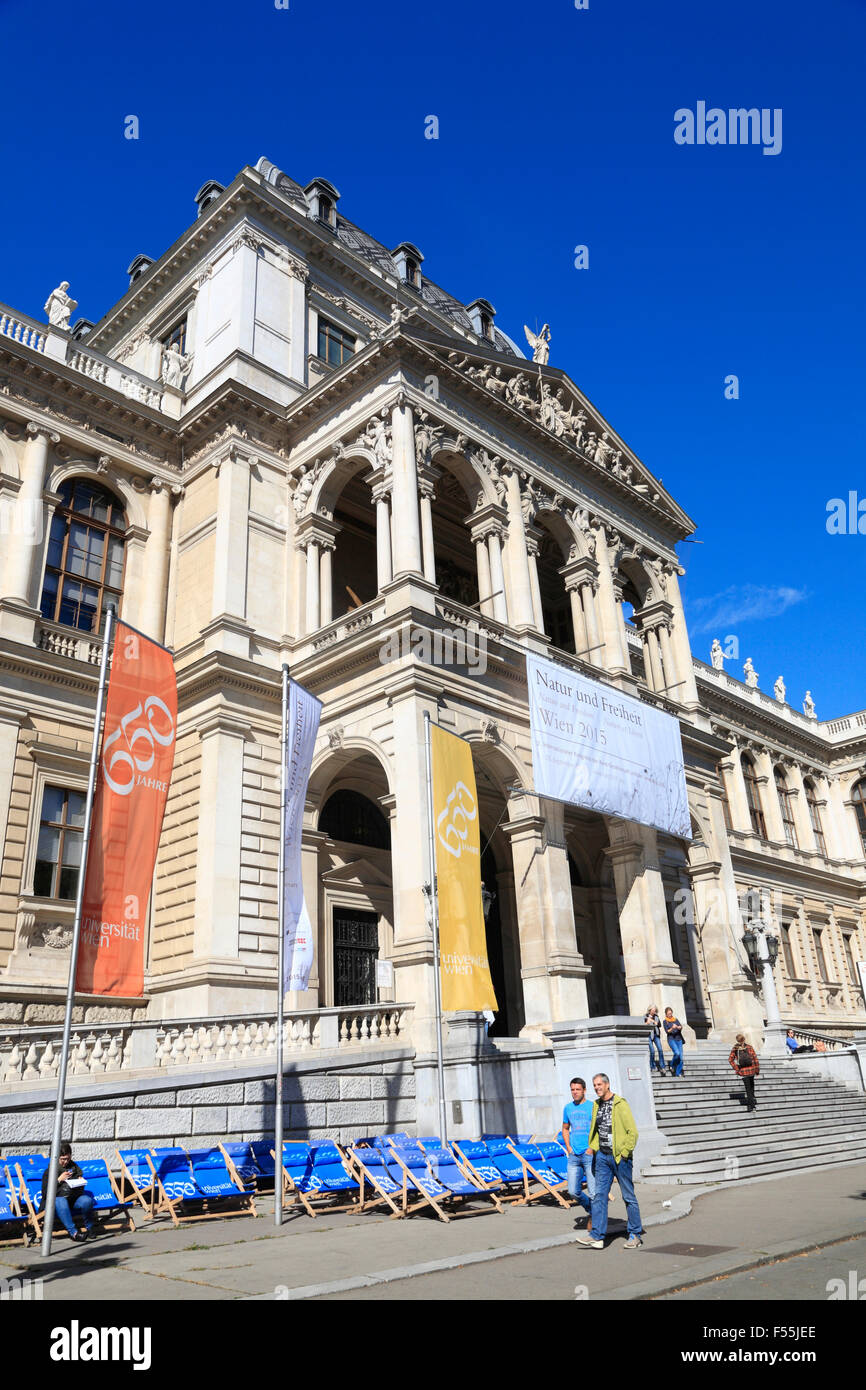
(555, 130)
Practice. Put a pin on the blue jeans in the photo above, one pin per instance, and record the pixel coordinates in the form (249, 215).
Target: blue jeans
(81, 1206)
(656, 1042)
(676, 1047)
(606, 1169)
(580, 1167)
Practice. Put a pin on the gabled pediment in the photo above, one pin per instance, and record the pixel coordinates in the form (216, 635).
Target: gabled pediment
(549, 399)
(360, 872)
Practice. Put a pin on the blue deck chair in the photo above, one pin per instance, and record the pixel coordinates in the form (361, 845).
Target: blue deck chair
(555, 1157)
(511, 1138)
(29, 1194)
(494, 1162)
(13, 1222)
(299, 1181)
(368, 1166)
(189, 1193)
(408, 1166)
(429, 1141)
(107, 1201)
(335, 1176)
(241, 1162)
(384, 1141)
(545, 1181)
(460, 1183)
(136, 1181)
(262, 1151)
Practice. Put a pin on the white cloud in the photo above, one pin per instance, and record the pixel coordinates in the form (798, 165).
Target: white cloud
(741, 603)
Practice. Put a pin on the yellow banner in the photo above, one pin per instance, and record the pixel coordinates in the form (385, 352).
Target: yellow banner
(466, 982)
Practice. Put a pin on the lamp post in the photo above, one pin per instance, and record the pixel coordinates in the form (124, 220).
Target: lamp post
(762, 947)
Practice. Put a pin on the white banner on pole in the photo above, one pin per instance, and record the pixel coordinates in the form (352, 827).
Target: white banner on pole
(606, 751)
(303, 725)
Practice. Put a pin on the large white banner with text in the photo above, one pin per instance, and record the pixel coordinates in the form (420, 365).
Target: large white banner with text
(598, 748)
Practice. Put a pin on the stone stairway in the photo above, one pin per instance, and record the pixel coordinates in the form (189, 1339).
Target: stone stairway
(801, 1121)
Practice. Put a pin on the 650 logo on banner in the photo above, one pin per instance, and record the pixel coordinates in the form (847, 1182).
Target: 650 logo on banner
(126, 767)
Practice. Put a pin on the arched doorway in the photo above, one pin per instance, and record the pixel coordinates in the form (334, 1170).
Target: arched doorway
(353, 573)
(494, 776)
(353, 870)
(456, 567)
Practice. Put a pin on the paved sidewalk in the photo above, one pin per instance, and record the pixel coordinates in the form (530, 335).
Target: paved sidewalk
(521, 1253)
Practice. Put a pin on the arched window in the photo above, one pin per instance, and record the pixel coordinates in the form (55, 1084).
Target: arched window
(786, 803)
(815, 814)
(352, 817)
(858, 796)
(84, 566)
(753, 797)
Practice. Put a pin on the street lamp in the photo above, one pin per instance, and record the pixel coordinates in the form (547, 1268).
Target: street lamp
(762, 948)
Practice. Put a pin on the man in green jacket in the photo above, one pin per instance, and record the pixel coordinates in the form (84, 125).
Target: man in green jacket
(613, 1137)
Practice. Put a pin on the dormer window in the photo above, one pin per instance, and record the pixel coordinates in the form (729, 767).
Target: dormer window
(322, 198)
(207, 194)
(481, 315)
(407, 259)
(138, 267)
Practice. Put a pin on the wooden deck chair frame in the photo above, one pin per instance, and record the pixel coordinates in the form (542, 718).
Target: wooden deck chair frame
(131, 1188)
(33, 1216)
(166, 1204)
(16, 1203)
(418, 1192)
(367, 1179)
(509, 1195)
(291, 1190)
(485, 1189)
(546, 1189)
(122, 1212)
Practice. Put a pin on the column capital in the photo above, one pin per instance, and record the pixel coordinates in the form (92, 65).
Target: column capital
(35, 427)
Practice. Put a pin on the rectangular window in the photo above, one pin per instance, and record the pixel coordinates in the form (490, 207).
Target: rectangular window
(787, 953)
(849, 957)
(818, 938)
(177, 337)
(58, 853)
(336, 346)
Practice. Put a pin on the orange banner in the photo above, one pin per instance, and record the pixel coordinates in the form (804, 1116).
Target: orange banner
(131, 791)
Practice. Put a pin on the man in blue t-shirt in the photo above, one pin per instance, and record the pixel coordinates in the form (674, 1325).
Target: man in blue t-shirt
(576, 1122)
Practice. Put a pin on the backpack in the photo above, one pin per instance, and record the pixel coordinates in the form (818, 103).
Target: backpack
(744, 1057)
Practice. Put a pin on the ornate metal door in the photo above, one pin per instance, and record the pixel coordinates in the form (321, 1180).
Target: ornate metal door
(356, 949)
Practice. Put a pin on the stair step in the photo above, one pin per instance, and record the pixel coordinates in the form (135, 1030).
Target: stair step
(752, 1170)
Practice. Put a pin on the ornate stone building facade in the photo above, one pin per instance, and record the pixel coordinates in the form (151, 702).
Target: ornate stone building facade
(286, 443)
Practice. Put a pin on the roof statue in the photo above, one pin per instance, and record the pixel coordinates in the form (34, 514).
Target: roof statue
(540, 344)
(59, 306)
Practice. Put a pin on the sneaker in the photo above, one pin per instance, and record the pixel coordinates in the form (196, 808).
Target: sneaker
(590, 1240)
(80, 1237)
(633, 1243)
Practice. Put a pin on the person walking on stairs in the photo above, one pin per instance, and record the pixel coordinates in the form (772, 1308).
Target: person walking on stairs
(655, 1039)
(745, 1062)
(674, 1030)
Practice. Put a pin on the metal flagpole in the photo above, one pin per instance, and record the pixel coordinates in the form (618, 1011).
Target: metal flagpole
(434, 907)
(281, 957)
(54, 1161)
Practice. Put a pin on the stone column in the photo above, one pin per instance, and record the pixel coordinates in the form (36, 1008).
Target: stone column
(18, 599)
(218, 856)
(770, 798)
(687, 691)
(520, 595)
(326, 594)
(313, 602)
(382, 499)
(404, 494)
(497, 576)
(228, 629)
(426, 484)
(533, 539)
(410, 870)
(650, 968)
(482, 556)
(669, 666)
(651, 662)
(614, 656)
(151, 610)
(578, 621)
